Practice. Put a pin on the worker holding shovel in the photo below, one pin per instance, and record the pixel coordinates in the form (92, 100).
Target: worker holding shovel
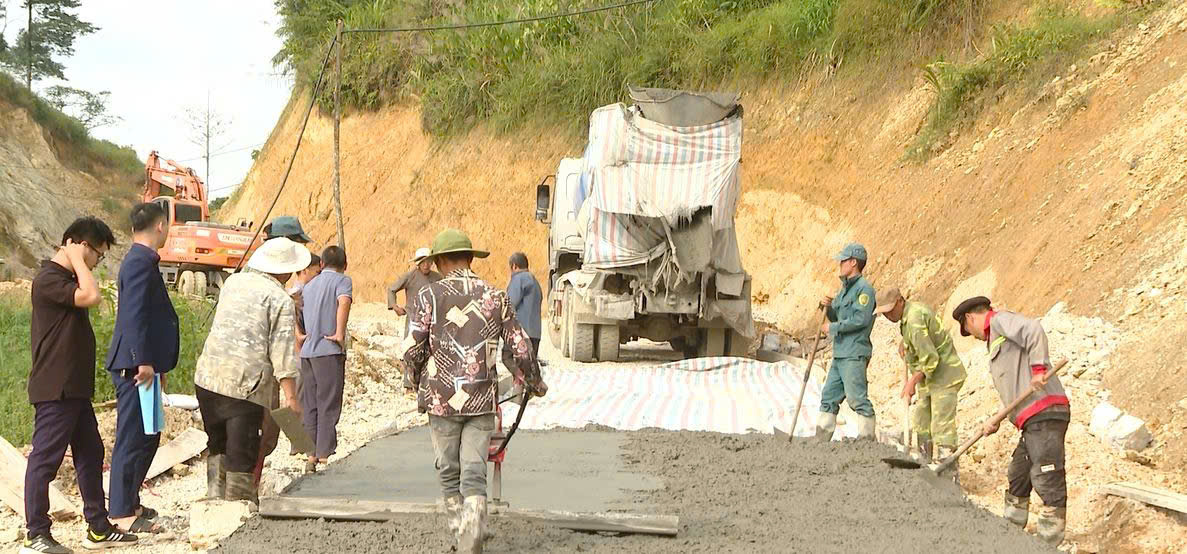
(850, 321)
(1018, 363)
(937, 373)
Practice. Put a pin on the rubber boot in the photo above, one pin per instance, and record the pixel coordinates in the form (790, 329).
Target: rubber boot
(866, 427)
(241, 486)
(826, 424)
(472, 531)
(452, 506)
(945, 452)
(1051, 525)
(923, 451)
(1016, 510)
(216, 477)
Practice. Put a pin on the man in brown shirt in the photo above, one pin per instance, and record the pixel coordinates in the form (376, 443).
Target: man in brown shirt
(454, 345)
(411, 282)
(61, 384)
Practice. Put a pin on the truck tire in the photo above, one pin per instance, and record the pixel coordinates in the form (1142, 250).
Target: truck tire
(712, 343)
(736, 344)
(608, 343)
(200, 284)
(185, 283)
(581, 335)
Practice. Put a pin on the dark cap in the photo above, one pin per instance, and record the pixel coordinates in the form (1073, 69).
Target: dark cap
(286, 226)
(965, 307)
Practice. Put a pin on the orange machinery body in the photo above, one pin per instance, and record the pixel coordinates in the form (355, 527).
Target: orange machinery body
(194, 243)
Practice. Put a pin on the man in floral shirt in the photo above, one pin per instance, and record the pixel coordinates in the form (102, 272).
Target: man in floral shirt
(452, 348)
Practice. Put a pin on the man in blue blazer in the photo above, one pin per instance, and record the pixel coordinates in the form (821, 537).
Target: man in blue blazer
(143, 345)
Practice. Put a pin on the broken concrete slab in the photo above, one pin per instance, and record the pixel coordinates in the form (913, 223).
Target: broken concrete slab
(211, 521)
(12, 486)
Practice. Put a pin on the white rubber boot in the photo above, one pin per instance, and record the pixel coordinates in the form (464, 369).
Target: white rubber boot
(472, 531)
(866, 427)
(1051, 525)
(826, 424)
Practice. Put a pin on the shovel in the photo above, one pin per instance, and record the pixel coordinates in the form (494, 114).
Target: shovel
(946, 464)
(799, 402)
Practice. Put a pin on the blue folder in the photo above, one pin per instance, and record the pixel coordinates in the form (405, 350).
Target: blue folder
(152, 407)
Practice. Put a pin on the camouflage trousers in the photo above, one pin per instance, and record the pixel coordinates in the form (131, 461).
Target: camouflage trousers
(934, 416)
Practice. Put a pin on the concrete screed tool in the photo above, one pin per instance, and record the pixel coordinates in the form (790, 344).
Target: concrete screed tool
(947, 463)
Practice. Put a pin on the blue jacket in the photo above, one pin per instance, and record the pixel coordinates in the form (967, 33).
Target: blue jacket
(146, 331)
(525, 295)
(852, 317)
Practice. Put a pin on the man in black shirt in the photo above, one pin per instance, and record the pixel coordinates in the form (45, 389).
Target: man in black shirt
(61, 384)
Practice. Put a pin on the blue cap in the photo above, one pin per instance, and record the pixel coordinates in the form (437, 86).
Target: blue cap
(852, 250)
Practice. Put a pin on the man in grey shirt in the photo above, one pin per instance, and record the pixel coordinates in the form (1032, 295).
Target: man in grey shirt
(525, 295)
(420, 276)
(326, 304)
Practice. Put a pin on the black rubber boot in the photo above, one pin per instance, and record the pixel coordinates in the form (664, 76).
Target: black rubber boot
(241, 486)
(216, 477)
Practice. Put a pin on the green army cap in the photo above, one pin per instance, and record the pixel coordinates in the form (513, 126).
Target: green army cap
(286, 226)
(453, 240)
(852, 250)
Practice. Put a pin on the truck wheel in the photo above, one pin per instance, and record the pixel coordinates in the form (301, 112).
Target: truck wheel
(185, 283)
(200, 284)
(712, 343)
(737, 345)
(581, 335)
(608, 343)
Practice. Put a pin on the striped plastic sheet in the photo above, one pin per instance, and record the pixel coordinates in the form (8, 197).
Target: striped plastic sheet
(725, 395)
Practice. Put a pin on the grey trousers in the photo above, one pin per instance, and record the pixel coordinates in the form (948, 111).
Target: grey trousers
(461, 444)
(322, 380)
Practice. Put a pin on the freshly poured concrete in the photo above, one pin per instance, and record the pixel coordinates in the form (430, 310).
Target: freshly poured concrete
(579, 471)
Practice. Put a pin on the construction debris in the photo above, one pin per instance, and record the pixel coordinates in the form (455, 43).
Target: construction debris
(212, 521)
(1119, 429)
(12, 486)
(1149, 495)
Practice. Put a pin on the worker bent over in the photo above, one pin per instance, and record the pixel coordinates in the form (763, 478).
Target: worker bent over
(1018, 360)
(937, 373)
(452, 350)
(851, 318)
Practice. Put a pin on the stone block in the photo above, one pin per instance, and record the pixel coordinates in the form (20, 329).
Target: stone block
(1130, 433)
(214, 520)
(1103, 417)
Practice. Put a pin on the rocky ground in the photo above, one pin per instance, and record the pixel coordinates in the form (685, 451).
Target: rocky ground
(373, 402)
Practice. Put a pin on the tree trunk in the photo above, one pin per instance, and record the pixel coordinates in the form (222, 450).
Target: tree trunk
(29, 48)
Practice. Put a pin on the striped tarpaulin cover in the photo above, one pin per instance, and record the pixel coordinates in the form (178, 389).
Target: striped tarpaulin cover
(726, 395)
(643, 168)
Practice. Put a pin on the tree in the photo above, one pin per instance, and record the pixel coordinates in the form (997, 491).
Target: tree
(89, 108)
(50, 33)
(218, 203)
(207, 129)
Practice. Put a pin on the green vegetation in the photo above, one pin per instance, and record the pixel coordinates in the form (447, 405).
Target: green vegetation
(504, 75)
(92, 154)
(1036, 50)
(16, 420)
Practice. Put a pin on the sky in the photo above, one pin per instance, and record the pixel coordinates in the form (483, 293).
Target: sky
(159, 58)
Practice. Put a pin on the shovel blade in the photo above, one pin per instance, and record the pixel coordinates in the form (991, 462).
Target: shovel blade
(901, 463)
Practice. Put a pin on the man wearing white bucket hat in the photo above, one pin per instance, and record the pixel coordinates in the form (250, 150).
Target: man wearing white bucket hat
(251, 343)
(418, 277)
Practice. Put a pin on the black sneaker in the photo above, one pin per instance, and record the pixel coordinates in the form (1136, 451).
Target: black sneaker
(43, 544)
(112, 538)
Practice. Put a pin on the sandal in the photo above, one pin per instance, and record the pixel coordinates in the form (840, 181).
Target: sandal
(143, 525)
(310, 466)
(149, 513)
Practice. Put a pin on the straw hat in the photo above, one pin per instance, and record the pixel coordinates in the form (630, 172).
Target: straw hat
(279, 256)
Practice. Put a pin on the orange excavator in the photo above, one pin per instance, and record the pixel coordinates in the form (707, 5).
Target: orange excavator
(199, 254)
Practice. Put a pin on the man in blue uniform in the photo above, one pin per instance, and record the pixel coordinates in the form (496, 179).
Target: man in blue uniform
(850, 320)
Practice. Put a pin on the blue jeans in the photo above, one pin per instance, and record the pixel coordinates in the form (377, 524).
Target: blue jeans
(847, 380)
(133, 451)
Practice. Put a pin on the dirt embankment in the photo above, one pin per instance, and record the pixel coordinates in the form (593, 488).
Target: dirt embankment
(40, 195)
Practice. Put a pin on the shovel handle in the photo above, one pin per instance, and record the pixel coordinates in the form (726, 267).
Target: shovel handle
(795, 416)
(998, 418)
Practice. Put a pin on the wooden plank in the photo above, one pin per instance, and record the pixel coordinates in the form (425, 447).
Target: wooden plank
(1149, 495)
(189, 444)
(370, 510)
(601, 521)
(339, 508)
(13, 489)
